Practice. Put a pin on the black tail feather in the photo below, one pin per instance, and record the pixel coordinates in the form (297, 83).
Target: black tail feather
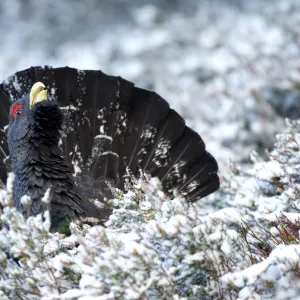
(146, 112)
(168, 134)
(4, 113)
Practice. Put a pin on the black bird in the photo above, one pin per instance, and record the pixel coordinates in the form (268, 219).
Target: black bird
(72, 131)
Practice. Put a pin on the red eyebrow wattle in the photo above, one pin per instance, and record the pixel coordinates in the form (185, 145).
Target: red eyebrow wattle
(15, 108)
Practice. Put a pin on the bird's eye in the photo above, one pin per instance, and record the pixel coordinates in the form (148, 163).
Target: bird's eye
(17, 110)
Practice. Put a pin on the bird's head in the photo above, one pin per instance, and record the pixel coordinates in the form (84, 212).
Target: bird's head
(33, 122)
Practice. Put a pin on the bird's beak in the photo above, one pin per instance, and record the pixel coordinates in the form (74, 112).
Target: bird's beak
(38, 93)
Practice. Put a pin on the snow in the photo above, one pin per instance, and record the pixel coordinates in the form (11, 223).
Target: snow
(225, 66)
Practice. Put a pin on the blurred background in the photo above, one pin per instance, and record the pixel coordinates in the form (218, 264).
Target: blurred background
(230, 67)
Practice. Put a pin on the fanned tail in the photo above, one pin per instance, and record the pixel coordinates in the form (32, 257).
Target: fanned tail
(110, 125)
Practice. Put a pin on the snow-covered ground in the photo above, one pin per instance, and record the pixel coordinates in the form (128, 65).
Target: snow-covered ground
(231, 68)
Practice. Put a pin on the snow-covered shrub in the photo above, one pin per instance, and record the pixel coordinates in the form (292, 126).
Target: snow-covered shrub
(152, 248)
(155, 247)
(268, 195)
(23, 265)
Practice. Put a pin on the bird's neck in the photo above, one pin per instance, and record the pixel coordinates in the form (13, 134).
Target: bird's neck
(42, 166)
